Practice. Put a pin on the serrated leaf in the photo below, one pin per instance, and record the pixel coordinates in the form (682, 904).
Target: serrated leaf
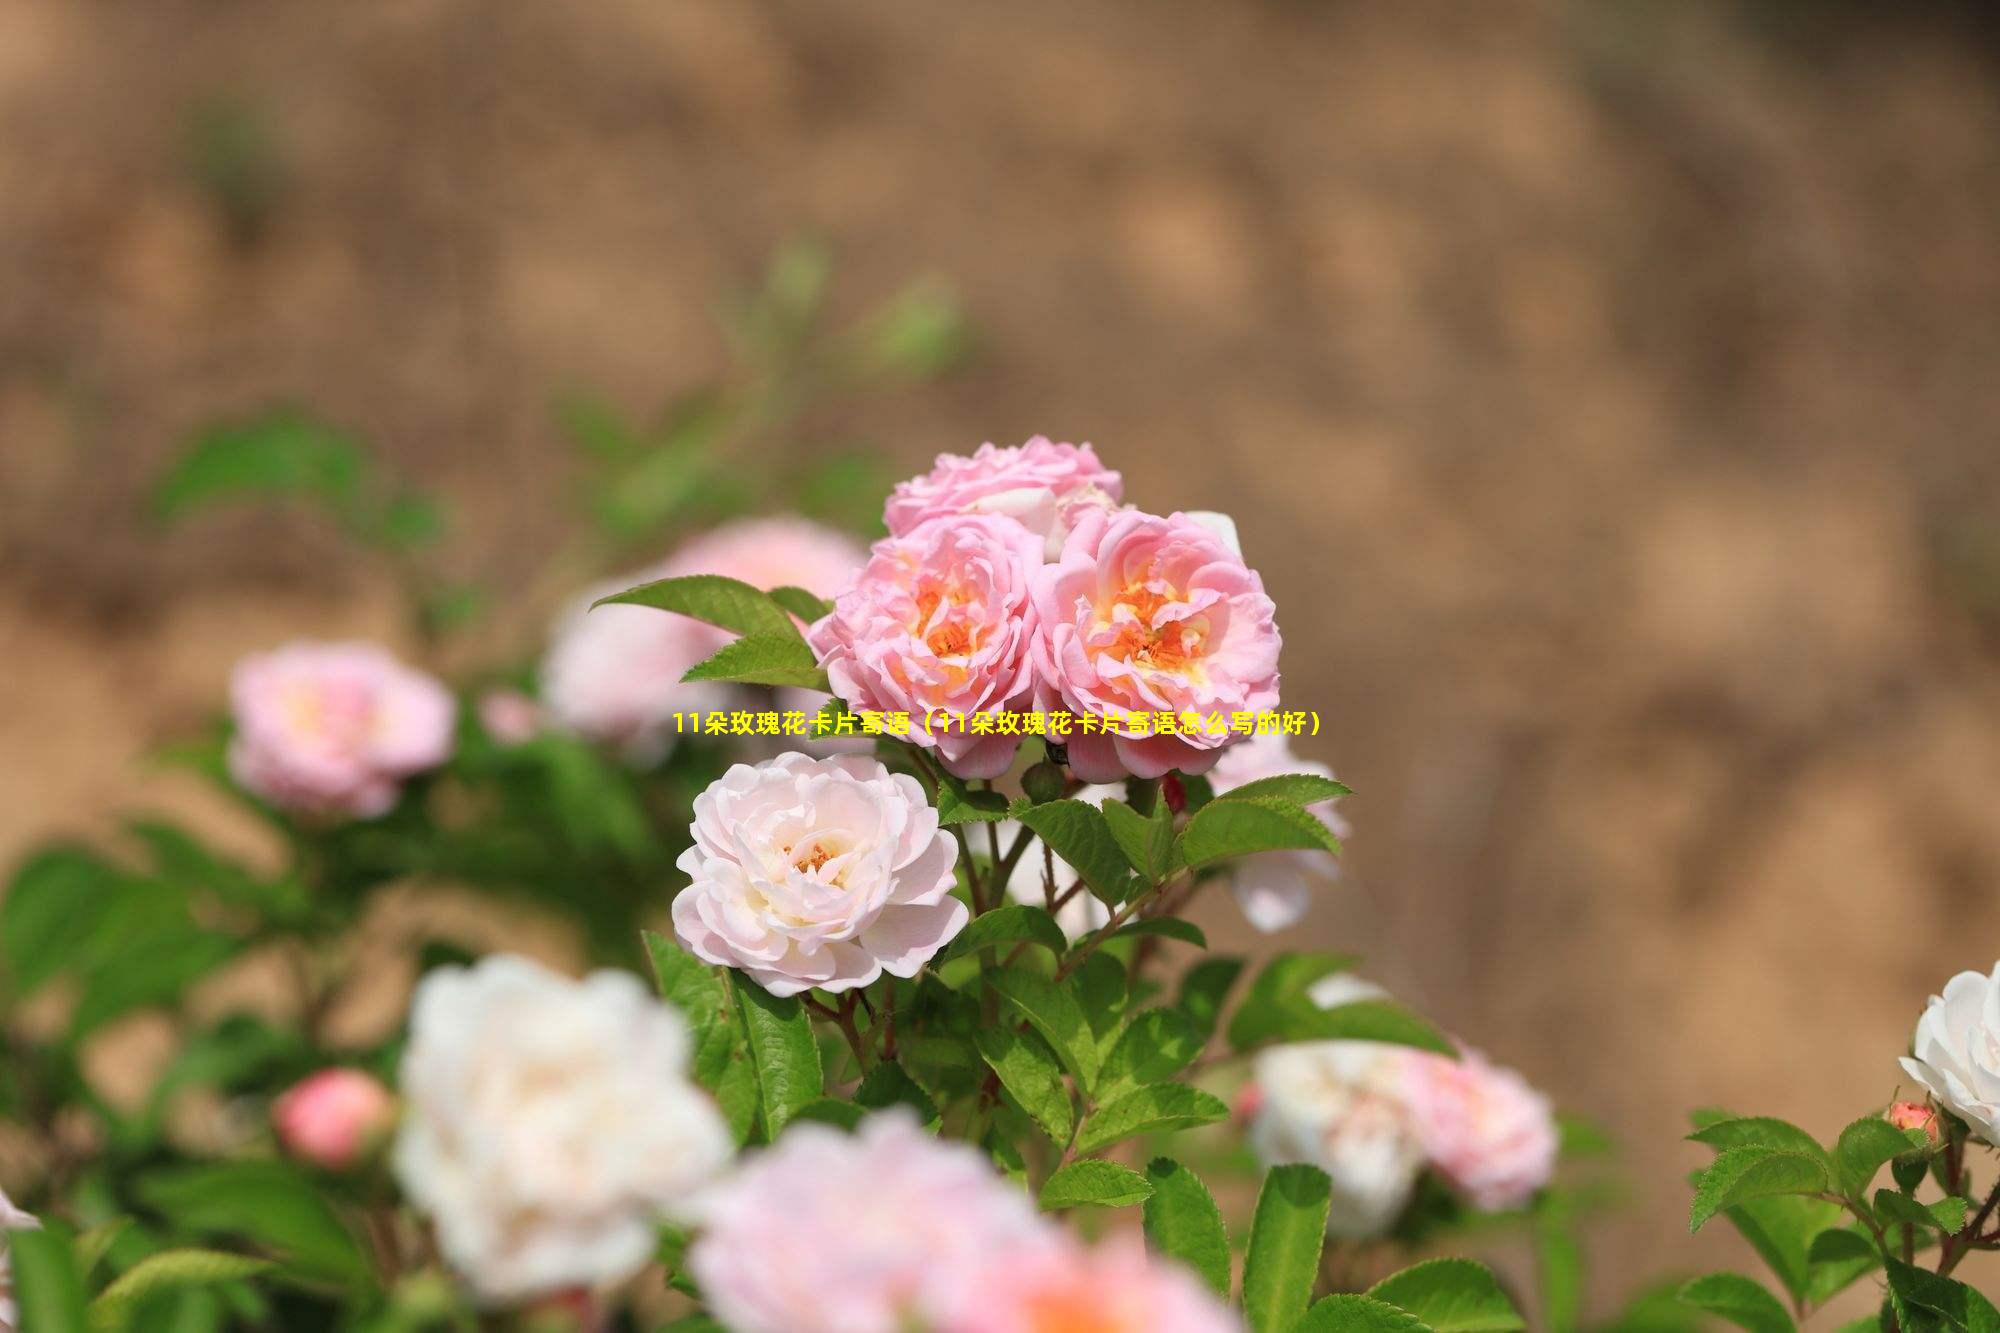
(1205, 989)
(1753, 1172)
(1105, 1184)
(166, 1271)
(1076, 832)
(1357, 1314)
(1451, 1296)
(1055, 1014)
(1286, 1234)
(782, 1050)
(805, 605)
(1155, 1046)
(269, 1203)
(1029, 1071)
(1863, 1148)
(727, 603)
(762, 659)
(1147, 842)
(1010, 923)
(1298, 788)
(1153, 1109)
(1836, 1259)
(1736, 1298)
(1182, 1222)
(702, 996)
(736, 1096)
(1164, 927)
(1243, 826)
(1758, 1131)
(1781, 1229)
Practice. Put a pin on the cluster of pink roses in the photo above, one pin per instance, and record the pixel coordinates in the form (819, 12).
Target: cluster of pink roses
(1011, 580)
(888, 1229)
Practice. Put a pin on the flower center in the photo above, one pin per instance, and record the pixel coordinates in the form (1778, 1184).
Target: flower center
(1176, 645)
(1071, 1311)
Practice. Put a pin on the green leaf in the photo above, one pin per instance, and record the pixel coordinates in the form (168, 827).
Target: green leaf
(1010, 923)
(1076, 831)
(1183, 1223)
(1558, 1262)
(1865, 1146)
(1946, 1215)
(1781, 1229)
(1297, 1018)
(783, 1051)
(1102, 988)
(1285, 1239)
(1233, 827)
(1758, 1131)
(1155, 1046)
(1153, 1109)
(166, 1271)
(269, 1203)
(959, 803)
(1356, 1314)
(888, 1084)
(92, 1244)
(728, 603)
(1298, 788)
(47, 1283)
(1736, 1298)
(1836, 1258)
(1923, 1300)
(1204, 989)
(736, 1096)
(805, 605)
(1029, 1071)
(762, 659)
(832, 1111)
(1754, 1171)
(1166, 927)
(1452, 1296)
(1105, 1184)
(51, 911)
(280, 454)
(701, 995)
(1146, 842)
(1054, 1013)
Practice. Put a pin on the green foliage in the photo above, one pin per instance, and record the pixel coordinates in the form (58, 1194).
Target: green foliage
(1009, 923)
(1285, 1237)
(1055, 1014)
(1090, 1181)
(1451, 1296)
(1755, 1171)
(1737, 1299)
(48, 1285)
(1032, 1075)
(270, 1204)
(1153, 1109)
(170, 1270)
(1183, 1222)
(783, 1051)
(1349, 1313)
(1078, 833)
(1234, 826)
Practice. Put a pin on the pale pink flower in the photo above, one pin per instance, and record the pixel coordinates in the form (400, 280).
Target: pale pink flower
(333, 729)
(1274, 889)
(1042, 485)
(766, 553)
(1489, 1134)
(938, 624)
(1913, 1115)
(1144, 615)
(333, 1118)
(550, 1125)
(820, 873)
(509, 716)
(1063, 1287)
(827, 1232)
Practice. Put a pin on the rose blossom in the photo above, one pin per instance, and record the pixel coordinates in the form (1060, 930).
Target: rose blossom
(939, 621)
(1275, 888)
(1143, 614)
(1041, 485)
(509, 716)
(1114, 1288)
(1489, 1134)
(333, 1117)
(613, 674)
(11, 1219)
(333, 729)
(550, 1125)
(1913, 1115)
(1956, 1051)
(1084, 912)
(1339, 1105)
(827, 1232)
(821, 873)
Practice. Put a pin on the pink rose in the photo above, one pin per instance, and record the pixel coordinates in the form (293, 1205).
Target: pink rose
(1115, 1288)
(1274, 889)
(817, 873)
(334, 1117)
(1143, 614)
(1913, 1115)
(827, 1232)
(940, 620)
(1042, 485)
(1489, 1134)
(334, 728)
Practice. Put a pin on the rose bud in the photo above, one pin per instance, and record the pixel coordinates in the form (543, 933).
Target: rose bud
(1913, 1115)
(334, 1118)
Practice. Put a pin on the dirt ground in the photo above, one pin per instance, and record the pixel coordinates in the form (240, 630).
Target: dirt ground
(1608, 392)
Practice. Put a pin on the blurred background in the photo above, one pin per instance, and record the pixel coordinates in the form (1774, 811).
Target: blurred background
(1608, 392)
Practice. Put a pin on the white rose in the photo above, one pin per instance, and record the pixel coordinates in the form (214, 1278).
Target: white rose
(1956, 1051)
(11, 1219)
(550, 1125)
(1338, 1105)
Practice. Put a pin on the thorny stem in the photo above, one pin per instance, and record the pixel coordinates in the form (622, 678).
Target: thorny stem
(1968, 1237)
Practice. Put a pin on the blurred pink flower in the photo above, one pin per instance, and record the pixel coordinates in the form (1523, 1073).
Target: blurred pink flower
(509, 716)
(817, 873)
(1489, 1134)
(1274, 889)
(767, 553)
(1058, 1286)
(332, 729)
(1913, 1115)
(939, 621)
(827, 1232)
(334, 1117)
(1144, 615)
(1042, 485)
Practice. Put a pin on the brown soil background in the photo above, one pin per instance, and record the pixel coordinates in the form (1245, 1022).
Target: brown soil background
(1607, 390)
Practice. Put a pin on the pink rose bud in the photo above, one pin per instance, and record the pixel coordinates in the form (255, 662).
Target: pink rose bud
(333, 1118)
(1913, 1115)
(1249, 1101)
(509, 716)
